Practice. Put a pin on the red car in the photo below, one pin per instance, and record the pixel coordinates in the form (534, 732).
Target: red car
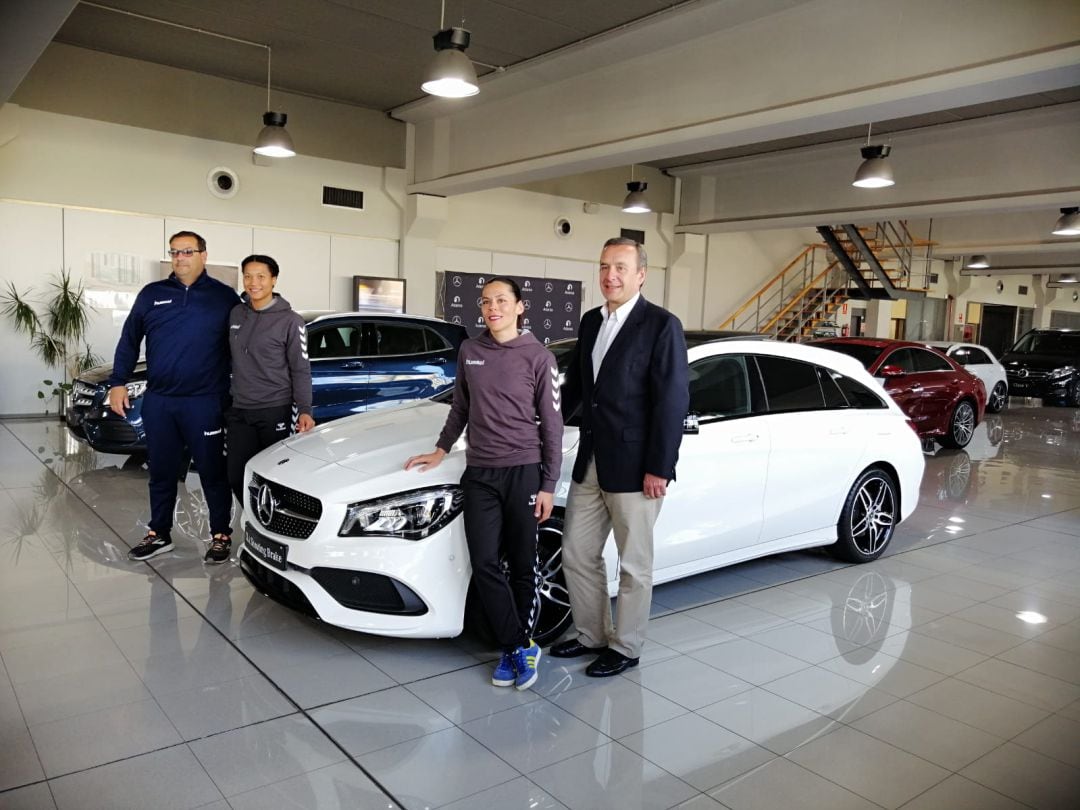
(943, 401)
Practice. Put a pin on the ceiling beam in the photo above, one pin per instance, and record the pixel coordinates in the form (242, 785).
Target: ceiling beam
(28, 26)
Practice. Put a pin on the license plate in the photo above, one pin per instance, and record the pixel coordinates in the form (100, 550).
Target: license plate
(269, 551)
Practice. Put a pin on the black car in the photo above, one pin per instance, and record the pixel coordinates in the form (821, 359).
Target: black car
(359, 362)
(1045, 363)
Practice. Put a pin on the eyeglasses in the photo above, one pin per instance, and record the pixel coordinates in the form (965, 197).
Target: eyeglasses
(183, 252)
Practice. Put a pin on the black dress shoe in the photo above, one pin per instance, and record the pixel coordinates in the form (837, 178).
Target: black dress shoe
(610, 663)
(573, 649)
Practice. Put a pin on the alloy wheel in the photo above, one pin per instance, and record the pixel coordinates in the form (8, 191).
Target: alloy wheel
(873, 515)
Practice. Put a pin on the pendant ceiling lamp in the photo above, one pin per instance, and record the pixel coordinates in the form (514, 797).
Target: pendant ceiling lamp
(452, 74)
(1068, 223)
(274, 140)
(636, 202)
(875, 171)
(978, 262)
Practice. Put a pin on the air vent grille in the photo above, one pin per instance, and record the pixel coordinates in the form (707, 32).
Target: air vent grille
(630, 233)
(343, 198)
(1022, 289)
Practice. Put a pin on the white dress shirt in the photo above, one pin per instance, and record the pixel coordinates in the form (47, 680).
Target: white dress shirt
(613, 322)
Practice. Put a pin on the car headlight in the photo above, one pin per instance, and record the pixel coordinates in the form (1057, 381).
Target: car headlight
(410, 515)
(136, 389)
(1064, 371)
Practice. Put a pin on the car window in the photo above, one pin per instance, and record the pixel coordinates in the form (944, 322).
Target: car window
(834, 397)
(719, 387)
(790, 385)
(969, 355)
(434, 342)
(1048, 343)
(333, 341)
(926, 360)
(857, 394)
(904, 359)
(396, 339)
(863, 353)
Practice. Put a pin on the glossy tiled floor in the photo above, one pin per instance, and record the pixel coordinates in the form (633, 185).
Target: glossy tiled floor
(788, 682)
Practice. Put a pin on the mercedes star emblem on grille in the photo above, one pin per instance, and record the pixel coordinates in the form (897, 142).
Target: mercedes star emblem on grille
(265, 505)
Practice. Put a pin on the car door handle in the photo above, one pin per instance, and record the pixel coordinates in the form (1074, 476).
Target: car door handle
(353, 364)
(744, 438)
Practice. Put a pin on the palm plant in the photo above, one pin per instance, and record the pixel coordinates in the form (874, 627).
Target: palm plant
(56, 323)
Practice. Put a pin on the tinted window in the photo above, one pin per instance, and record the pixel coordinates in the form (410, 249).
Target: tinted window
(1049, 343)
(333, 341)
(719, 387)
(864, 354)
(790, 385)
(834, 397)
(926, 360)
(857, 394)
(396, 339)
(903, 358)
(969, 355)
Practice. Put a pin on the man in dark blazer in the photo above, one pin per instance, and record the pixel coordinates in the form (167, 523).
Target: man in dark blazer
(629, 376)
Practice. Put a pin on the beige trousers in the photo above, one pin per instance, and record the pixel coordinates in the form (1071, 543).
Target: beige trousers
(591, 514)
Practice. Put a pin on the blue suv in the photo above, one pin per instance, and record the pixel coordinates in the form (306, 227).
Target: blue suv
(359, 362)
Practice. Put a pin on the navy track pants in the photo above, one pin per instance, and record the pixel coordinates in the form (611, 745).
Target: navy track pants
(197, 423)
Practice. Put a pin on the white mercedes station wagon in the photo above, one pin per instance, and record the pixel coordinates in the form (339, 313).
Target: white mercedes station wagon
(786, 447)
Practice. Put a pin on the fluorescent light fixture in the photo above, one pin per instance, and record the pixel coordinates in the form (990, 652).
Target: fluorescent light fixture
(1068, 223)
(978, 262)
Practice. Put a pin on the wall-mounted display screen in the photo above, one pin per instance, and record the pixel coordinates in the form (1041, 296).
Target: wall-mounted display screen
(373, 294)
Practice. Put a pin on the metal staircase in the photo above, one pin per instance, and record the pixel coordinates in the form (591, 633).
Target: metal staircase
(799, 302)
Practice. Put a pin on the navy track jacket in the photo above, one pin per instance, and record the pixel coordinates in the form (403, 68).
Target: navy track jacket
(187, 337)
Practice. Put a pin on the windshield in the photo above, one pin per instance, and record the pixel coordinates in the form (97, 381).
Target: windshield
(861, 352)
(1067, 343)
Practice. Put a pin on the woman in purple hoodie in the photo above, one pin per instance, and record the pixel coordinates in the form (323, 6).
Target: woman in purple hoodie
(507, 392)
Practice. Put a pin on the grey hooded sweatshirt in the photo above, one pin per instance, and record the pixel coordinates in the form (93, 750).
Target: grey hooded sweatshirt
(270, 365)
(502, 391)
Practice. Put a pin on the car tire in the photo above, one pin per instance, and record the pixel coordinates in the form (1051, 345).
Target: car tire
(997, 399)
(553, 616)
(868, 519)
(961, 426)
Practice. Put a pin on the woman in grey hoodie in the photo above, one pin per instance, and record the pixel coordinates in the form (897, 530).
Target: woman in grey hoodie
(271, 375)
(507, 391)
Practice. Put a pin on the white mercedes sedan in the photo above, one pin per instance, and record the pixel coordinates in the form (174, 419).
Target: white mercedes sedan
(786, 447)
(979, 361)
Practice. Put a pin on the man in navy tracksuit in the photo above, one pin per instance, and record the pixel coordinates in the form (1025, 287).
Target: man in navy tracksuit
(185, 320)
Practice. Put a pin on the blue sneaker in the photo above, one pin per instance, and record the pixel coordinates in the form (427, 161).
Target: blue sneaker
(504, 674)
(526, 660)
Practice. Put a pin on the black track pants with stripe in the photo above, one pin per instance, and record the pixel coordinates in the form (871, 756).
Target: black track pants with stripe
(499, 524)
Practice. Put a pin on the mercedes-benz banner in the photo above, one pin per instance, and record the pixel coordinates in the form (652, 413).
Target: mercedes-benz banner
(552, 305)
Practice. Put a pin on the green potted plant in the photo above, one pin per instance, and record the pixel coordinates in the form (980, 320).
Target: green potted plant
(56, 321)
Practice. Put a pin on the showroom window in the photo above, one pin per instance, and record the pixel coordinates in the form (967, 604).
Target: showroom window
(790, 385)
(719, 387)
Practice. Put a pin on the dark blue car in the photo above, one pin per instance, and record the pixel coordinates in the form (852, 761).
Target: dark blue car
(359, 361)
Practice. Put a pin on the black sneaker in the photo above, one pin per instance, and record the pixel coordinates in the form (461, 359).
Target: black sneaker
(220, 546)
(151, 545)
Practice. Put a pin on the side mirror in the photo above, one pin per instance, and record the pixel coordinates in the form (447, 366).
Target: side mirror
(888, 372)
(690, 424)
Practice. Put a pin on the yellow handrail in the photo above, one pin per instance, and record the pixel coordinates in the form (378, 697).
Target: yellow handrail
(731, 320)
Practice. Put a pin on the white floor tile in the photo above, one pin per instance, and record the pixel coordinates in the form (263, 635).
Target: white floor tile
(1057, 737)
(1022, 684)
(958, 793)
(698, 751)
(517, 793)
(535, 735)
(782, 783)
(468, 694)
(380, 720)
(997, 714)
(749, 661)
(617, 706)
(769, 720)
(336, 786)
(221, 707)
(1027, 776)
(868, 767)
(611, 778)
(830, 694)
(688, 682)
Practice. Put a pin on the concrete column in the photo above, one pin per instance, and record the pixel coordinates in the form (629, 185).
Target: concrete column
(423, 219)
(878, 318)
(685, 277)
(1044, 300)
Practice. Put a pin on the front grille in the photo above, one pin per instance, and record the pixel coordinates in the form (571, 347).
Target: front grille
(1033, 375)
(295, 514)
(375, 593)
